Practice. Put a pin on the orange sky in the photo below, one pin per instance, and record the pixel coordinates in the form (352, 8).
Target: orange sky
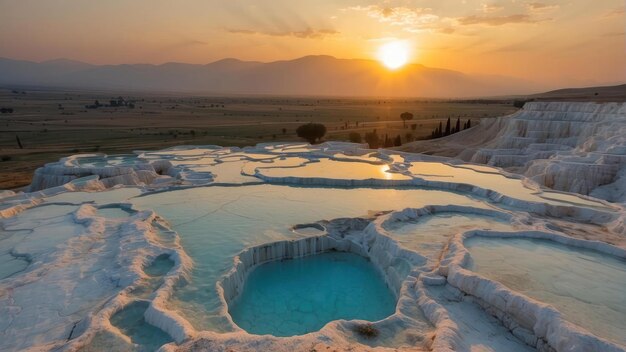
(560, 42)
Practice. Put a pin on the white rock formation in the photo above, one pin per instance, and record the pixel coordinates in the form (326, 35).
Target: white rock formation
(574, 147)
(84, 266)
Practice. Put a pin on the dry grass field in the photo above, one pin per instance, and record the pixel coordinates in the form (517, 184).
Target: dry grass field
(53, 123)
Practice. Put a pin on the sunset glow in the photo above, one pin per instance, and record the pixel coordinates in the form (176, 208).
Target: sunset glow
(317, 175)
(542, 41)
(394, 55)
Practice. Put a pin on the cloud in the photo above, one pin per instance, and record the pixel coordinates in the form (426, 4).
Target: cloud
(447, 30)
(412, 20)
(415, 20)
(539, 7)
(525, 45)
(618, 11)
(193, 43)
(185, 44)
(614, 34)
(497, 20)
(308, 33)
(491, 8)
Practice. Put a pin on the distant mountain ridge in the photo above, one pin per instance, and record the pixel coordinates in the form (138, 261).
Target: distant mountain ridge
(309, 75)
(602, 93)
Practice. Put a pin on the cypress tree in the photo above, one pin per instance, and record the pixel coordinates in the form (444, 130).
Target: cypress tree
(388, 142)
(447, 133)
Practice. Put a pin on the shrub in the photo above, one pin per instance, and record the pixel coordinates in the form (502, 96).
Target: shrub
(366, 330)
(520, 103)
(372, 139)
(355, 137)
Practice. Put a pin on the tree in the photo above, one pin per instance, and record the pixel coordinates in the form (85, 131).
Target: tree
(447, 133)
(388, 142)
(406, 116)
(469, 124)
(372, 139)
(397, 141)
(355, 137)
(519, 103)
(458, 125)
(284, 131)
(311, 132)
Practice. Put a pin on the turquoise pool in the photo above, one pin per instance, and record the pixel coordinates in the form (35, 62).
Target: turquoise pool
(294, 297)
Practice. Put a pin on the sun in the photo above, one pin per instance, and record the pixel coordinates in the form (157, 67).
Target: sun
(394, 55)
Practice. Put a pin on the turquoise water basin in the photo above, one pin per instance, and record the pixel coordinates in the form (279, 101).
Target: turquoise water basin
(298, 296)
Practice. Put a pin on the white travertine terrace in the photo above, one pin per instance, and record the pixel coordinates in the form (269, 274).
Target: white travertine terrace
(81, 243)
(573, 147)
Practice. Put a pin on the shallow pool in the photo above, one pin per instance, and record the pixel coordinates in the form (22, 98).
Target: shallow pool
(294, 297)
(216, 223)
(109, 160)
(334, 169)
(131, 322)
(511, 187)
(428, 234)
(10, 264)
(113, 213)
(588, 287)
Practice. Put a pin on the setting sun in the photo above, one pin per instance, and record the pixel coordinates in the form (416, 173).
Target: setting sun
(394, 55)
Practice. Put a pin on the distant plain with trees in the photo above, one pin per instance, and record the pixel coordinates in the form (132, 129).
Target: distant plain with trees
(54, 123)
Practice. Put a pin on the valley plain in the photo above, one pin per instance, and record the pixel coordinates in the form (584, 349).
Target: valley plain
(54, 123)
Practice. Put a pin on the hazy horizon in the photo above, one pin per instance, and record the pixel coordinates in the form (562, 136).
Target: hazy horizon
(617, 81)
(540, 88)
(557, 43)
(305, 76)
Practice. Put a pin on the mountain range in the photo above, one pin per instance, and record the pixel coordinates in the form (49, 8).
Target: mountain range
(309, 75)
